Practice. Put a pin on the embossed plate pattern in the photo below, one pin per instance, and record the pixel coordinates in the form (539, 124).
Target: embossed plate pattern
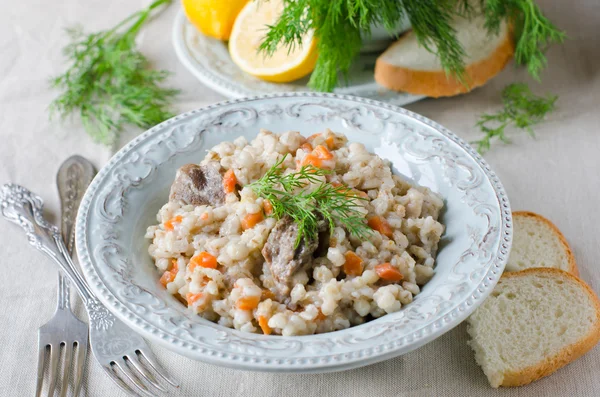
(127, 193)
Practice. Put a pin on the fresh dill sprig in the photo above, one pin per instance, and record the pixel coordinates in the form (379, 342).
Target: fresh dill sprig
(109, 83)
(340, 25)
(334, 204)
(534, 32)
(522, 109)
(431, 23)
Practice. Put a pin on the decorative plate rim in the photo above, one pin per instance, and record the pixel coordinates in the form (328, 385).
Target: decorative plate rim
(215, 82)
(417, 337)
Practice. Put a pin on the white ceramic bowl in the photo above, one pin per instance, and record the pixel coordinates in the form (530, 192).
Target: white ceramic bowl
(127, 193)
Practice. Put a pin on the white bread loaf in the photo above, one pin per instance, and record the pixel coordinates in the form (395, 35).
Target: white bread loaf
(537, 242)
(409, 67)
(534, 322)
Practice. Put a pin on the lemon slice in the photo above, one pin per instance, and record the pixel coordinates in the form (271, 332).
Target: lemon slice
(213, 17)
(248, 32)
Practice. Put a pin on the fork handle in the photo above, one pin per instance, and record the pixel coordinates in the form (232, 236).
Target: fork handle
(20, 206)
(73, 177)
(63, 292)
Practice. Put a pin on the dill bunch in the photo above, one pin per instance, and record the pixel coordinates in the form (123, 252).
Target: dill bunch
(109, 83)
(522, 109)
(334, 204)
(339, 25)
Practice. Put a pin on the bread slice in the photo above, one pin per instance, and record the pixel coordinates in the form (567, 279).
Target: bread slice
(409, 67)
(538, 243)
(534, 322)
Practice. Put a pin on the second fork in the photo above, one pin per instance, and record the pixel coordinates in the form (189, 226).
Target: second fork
(64, 331)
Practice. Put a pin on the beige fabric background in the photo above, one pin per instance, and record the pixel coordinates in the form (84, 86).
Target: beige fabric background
(556, 175)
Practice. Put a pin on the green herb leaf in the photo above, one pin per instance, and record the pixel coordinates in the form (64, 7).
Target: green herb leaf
(109, 83)
(534, 32)
(432, 24)
(522, 109)
(333, 204)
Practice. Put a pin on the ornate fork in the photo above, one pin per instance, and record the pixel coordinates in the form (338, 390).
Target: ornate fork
(115, 346)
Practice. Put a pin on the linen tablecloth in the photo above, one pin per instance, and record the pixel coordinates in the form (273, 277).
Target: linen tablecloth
(557, 175)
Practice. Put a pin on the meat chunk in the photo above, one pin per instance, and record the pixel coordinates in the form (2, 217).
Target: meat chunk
(198, 185)
(282, 258)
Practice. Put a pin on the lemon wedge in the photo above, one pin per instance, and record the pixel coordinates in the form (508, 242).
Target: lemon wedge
(248, 33)
(213, 17)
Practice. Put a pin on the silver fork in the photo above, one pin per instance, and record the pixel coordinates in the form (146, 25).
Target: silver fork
(116, 347)
(73, 177)
(62, 329)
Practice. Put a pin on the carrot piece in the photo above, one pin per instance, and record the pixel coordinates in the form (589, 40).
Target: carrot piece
(203, 259)
(353, 265)
(323, 153)
(264, 325)
(204, 216)
(169, 275)
(251, 220)
(317, 156)
(330, 142)
(307, 147)
(247, 302)
(267, 294)
(229, 181)
(268, 207)
(311, 159)
(381, 225)
(167, 278)
(192, 298)
(388, 272)
(169, 225)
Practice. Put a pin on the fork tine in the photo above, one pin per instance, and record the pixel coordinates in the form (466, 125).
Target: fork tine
(54, 355)
(131, 376)
(66, 369)
(40, 369)
(122, 385)
(78, 369)
(146, 375)
(159, 370)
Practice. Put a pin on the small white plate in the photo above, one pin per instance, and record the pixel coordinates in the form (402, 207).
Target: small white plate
(208, 59)
(125, 196)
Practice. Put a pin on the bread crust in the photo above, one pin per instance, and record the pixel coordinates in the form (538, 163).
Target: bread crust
(571, 258)
(436, 83)
(566, 355)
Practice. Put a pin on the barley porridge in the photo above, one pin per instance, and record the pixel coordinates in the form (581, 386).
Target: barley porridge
(288, 235)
